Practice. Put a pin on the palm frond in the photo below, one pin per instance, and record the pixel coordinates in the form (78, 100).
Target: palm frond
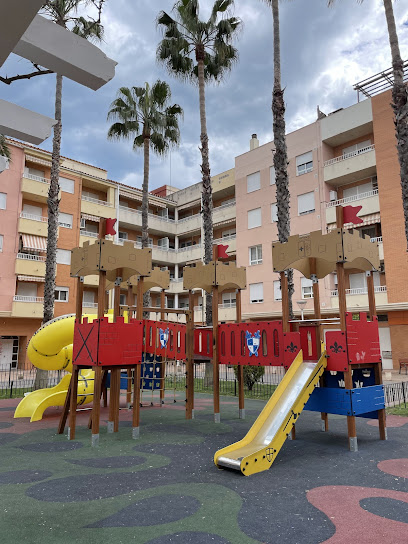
(4, 148)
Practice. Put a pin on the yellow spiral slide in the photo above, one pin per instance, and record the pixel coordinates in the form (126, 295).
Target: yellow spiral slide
(51, 349)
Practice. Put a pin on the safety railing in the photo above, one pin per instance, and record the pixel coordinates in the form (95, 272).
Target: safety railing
(29, 257)
(360, 291)
(89, 234)
(36, 178)
(24, 298)
(353, 198)
(377, 240)
(96, 201)
(224, 239)
(350, 155)
(33, 217)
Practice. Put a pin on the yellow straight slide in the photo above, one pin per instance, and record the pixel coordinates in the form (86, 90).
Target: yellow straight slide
(260, 447)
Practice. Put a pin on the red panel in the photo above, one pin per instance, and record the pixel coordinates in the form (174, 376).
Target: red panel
(85, 348)
(203, 343)
(108, 344)
(155, 342)
(236, 341)
(308, 342)
(362, 339)
(292, 346)
(336, 348)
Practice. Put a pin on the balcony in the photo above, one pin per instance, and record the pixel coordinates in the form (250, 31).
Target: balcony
(92, 280)
(379, 242)
(231, 241)
(357, 299)
(347, 124)
(30, 265)
(35, 187)
(33, 224)
(369, 201)
(350, 167)
(227, 311)
(88, 305)
(176, 285)
(190, 253)
(27, 306)
(86, 236)
(100, 208)
(189, 224)
(225, 213)
(157, 224)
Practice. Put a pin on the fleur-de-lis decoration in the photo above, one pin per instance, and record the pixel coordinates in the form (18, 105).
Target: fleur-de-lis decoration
(336, 348)
(292, 347)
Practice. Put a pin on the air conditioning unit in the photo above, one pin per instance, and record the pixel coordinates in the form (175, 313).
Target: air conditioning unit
(333, 196)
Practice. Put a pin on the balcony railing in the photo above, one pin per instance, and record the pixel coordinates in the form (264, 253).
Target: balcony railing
(189, 217)
(186, 248)
(29, 257)
(353, 198)
(23, 298)
(89, 234)
(151, 215)
(360, 291)
(225, 239)
(378, 240)
(89, 305)
(350, 155)
(36, 178)
(225, 305)
(25, 215)
(96, 201)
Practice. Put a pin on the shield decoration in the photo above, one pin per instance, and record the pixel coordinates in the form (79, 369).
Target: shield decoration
(164, 337)
(253, 342)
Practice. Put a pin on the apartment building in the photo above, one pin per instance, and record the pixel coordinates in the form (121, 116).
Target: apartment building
(86, 196)
(348, 157)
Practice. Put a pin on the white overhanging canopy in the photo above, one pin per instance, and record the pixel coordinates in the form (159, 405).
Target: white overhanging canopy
(43, 42)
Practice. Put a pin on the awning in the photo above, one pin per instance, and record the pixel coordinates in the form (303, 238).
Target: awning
(38, 243)
(370, 219)
(89, 217)
(39, 279)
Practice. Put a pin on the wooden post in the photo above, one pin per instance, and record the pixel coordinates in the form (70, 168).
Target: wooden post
(241, 392)
(73, 402)
(65, 410)
(136, 402)
(371, 295)
(163, 363)
(114, 400)
(216, 372)
(129, 302)
(190, 358)
(382, 423)
(139, 295)
(341, 290)
(78, 303)
(285, 302)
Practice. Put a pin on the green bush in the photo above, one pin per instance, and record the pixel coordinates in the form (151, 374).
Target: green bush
(252, 374)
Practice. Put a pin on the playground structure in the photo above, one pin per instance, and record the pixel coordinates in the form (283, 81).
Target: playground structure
(103, 345)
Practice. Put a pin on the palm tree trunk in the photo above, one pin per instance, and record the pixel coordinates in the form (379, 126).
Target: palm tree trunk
(206, 198)
(400, 107)
(280, 158)
(145, 204)
(53, 211)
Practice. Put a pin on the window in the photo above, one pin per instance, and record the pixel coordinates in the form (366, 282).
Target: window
(61, 294)
(277, 292)
(65, 220)
(359, 281)
(307, 288)
(88, 297)
(1, 242)
(123, 235)
(254, 218)
(274, 213)
(163, 213)
(356, 149)
(164, 243)
(304, 163)
(27, 290)
(306, 203)
(255, 255)
(229, 233)
(34, 211)
(67, 185)
(139, 240)
(122, 299)
(229, 299)
(89, 194)
(123, 204)
(63, 256)
(253, 182)
(255, 292)
(34, 172)
(358, 191)
(272, 175)
(3, 201)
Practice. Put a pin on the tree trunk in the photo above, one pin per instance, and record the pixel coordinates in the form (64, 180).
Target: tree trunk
(280, 158)
(206, 199)
(400, 107)
(53, 211)
(145, 205)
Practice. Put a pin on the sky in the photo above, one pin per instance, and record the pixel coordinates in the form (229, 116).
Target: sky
(324, 53)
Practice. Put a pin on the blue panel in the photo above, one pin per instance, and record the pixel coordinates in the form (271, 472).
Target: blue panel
(151, 374)
(361, 378)
(331, 401)
(367, 399)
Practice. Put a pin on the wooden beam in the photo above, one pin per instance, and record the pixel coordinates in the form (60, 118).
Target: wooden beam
(139, 295)
(240, 370)
(136, 402)
(190, 358)
(73, 402)
(216, 370)
(285, 302)
(341, 289)
(371, 295)
(78, 302)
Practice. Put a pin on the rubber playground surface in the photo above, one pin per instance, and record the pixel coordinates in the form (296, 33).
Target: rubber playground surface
(164, 487)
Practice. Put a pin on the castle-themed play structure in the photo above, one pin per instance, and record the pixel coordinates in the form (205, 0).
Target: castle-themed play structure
(333, 366)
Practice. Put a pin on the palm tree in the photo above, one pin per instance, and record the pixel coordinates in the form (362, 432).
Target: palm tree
(63, 13)
(280, 156)
(144, 114)
(200, 51)
(400, 104)
(4, 148)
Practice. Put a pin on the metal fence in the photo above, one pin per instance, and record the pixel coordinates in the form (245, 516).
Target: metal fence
(15, 382)
(396, 394)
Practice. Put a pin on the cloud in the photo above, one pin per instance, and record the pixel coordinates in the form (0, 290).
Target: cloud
(324, 52)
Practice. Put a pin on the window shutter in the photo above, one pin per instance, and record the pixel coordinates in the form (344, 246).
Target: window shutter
(256, 292)
(357, 281)
(63, 256)
(67, 185)
(306, 203)
(253, 182)
(277, 293)
(274, 213)
(254, 218)
(303, 159)
(272, 175)
(306, 282)
(65, 220)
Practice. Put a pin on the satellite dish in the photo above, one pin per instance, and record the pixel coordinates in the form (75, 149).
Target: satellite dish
(4, 163)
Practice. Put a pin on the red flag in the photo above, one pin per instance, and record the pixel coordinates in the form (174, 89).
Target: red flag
(110, 223)
(222, 251)
(350, 214)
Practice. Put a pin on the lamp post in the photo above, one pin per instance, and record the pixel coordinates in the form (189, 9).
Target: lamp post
(301, 303)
